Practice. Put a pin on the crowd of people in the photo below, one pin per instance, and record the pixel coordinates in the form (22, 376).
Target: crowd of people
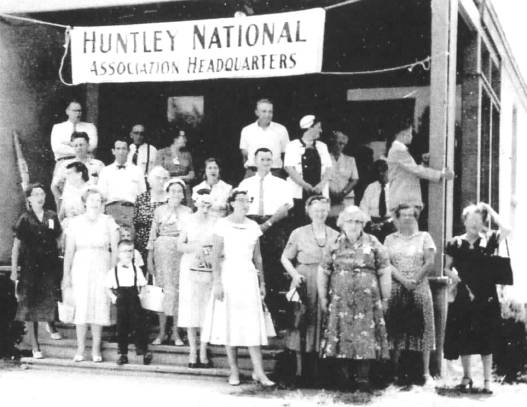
(352, 261)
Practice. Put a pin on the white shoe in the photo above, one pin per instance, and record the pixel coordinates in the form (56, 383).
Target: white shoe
(37, 354)
(78, 358)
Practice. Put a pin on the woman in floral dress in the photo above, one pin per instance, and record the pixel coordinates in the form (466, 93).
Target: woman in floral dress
(356, 271)
(410, 312)
(163, 257)
(145, 205)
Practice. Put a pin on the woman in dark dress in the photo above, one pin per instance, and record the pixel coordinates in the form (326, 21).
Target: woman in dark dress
(473, 316)
(35, 250)
(145, 205)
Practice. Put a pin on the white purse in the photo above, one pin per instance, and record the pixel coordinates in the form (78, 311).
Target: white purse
(152, 298)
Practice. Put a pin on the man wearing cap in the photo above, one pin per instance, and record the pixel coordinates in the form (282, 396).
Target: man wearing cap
(141, 153)
(121, 183)
(61, 143)
(375, 203)
(270, 203)
(264, 133)
(308, 163)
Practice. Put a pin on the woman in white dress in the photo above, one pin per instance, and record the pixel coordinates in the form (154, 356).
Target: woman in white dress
(195, 278)
(91, 248)
(236, 315)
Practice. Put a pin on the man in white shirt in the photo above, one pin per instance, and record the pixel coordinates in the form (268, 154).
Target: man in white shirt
(271, 201)
(79, 141)
(61, 133)
(375, 203)
(264, 133)
(344, 175)
(141, 153)
(121, 183)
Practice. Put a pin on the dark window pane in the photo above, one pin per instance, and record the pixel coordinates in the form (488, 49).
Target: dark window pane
(495, 159)
(485, 148)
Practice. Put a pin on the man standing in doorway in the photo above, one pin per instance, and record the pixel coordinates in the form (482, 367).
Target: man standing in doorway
(271, 200)
(344, 175)
(404, 174)
(121, 183)
(141, 152)
(61, 142)
(264, 133)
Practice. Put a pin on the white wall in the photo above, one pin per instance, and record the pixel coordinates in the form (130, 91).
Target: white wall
(513, 208)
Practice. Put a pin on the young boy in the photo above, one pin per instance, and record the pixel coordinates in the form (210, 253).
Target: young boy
(125, 282)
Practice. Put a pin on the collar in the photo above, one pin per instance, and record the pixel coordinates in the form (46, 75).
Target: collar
(407, 236)
(264, 177)
(399, 146)
(125, 266)
(304, 144)
(263, 128)
(120, 166)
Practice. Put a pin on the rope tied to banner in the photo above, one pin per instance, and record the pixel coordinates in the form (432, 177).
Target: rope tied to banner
(424, 63)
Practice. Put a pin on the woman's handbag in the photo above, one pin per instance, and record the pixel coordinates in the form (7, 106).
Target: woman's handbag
(66, 308)
(152, 298)
(296, 307)
(501, 268)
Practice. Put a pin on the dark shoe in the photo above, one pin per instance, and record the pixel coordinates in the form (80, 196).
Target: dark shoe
(364, 386)
(123, 359)
(147, 358)
(486, 388)
(194, 365)
(206, 365)
(466, 385)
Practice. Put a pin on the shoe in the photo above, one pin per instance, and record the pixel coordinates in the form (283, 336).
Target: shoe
(179, 342)
(37, 354)
(264, 382)
(123, 359)
(234, 380)
(205, 365)
(466, 385)
(486, 387)
(364, 386)
(96, 358)
(78, 358)
(157, 341)
(147, 358)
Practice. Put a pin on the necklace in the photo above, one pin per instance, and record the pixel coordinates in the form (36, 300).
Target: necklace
(317, 239)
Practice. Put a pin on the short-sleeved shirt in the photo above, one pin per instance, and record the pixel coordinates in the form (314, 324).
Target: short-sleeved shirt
(293, 158)
(177, 165)
(367, 253)
(219, 193)
(407, 253)
(274, 137)
(61, 134)
(303, 247)
(370, 200)
(93, 165)
(276, 193)
(344, 169)
(125, 273)
(121, 184)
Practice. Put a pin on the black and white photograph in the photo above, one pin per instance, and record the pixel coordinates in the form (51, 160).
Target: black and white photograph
(294, 203)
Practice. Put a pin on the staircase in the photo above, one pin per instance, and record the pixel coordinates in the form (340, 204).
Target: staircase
(167, 359)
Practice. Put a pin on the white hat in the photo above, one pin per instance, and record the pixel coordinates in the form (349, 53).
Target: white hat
(307, 121)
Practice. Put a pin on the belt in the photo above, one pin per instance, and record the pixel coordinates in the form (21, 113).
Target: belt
(68, 157)
(121, 203)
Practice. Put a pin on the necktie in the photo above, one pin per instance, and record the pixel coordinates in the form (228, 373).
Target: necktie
(134, 157)
(382, 202)
(261, 198)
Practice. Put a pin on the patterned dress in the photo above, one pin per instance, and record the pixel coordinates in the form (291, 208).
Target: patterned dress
(355, 322)
(143, 215)
(303, 249)
(39, 276)
(410, 313)
(164, 234)
(472, 324)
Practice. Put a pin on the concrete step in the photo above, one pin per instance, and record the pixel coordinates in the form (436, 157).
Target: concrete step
(164, 355)
(134, 367)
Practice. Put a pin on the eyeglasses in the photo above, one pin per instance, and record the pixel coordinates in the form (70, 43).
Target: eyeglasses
(244, 200)
(354, 221)
(138, 132)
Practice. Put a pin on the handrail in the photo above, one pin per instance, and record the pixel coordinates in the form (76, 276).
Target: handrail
(23, 169)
